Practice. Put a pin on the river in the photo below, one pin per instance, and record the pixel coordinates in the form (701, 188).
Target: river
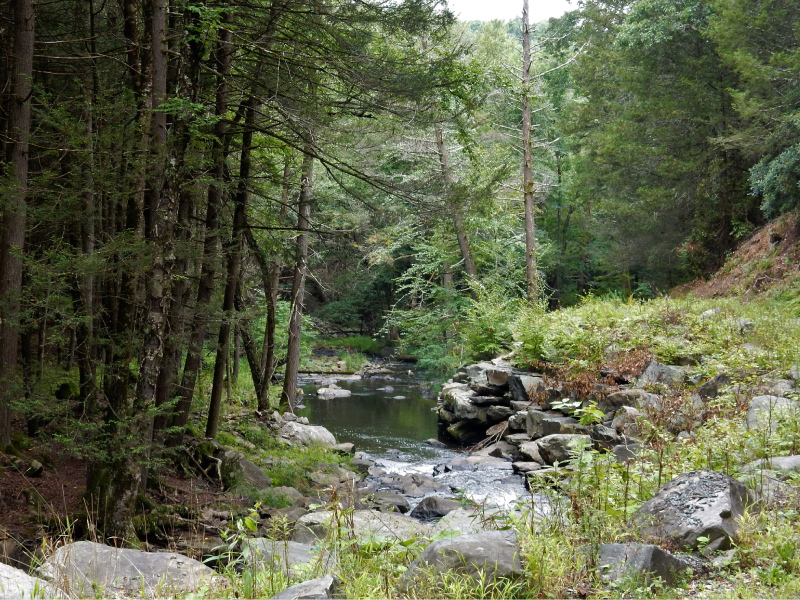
(389, 416)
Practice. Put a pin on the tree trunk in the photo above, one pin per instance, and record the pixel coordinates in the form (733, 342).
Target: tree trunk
(458, 217)
(268, 355)
(528, 192)
(298, 285)
(12, 235)
(205, 288)
(233, 268)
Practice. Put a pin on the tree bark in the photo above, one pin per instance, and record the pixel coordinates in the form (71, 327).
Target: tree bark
(12, 236)
(528, 192)
(458, 216)
(233, 269)
(268, 355)
(298, 285)
(205, 288)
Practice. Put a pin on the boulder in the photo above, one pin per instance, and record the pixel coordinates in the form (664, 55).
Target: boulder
(765, 411)
(776, 387)
(477, 373)
(307, 435)
(641, 561)
(710, 313)
(80, 568)
(434, 507)
(345, 448)
(523, 467)
(604, 437)
(277, 555)
(385, 501)
(694, 505)
(712, 387)
(490, 401)
(657, 372)
(625, 416)
(464, 409)
(486, 389)
(793, 373)
(500, 428)
(782, 466)
(484, 556)
(633, 397)
(237, 471)
(770, 487)
(452, 391)
(366, 524)
(333, 391)
(522, 386)
(498, 376)
(626, 452)
(518, 421)
(560, 447)
(314, 589)
(530, 450)
(16, 584)
(465, 432)
(516, 439)
(496, 414)
(540, 423)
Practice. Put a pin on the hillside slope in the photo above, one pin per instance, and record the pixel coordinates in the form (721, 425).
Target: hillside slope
(768, 261)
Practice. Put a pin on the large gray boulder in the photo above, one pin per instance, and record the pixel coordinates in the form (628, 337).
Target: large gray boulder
(642, 561)
(16, 584)
(307, 435)
(657, 372)
(434, 507)
(765, 411)
(633, 397)
(783, 466)
(365, 524)
(540, 423)
(82, 568)
(484, 556)
(283, 555)
(522, 386)
(333, 391)
(560, 447)
(314, 589)
(236, 471)
(530, 451)
(697, 504)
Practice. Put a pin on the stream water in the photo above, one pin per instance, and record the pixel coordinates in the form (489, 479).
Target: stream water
(389, 416)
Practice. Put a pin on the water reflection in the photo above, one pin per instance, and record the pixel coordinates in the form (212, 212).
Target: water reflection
(377, 420)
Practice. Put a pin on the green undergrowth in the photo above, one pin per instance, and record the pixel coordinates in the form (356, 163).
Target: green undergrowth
(592, 497)
(353, 343)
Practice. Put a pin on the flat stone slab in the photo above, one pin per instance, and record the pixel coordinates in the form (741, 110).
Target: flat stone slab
(694, 505)
(616, 561)
(81, 568)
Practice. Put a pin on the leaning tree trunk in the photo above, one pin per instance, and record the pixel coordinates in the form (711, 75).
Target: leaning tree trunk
(531, 277)
(234, 265)
(298, 285)
(13, 220)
